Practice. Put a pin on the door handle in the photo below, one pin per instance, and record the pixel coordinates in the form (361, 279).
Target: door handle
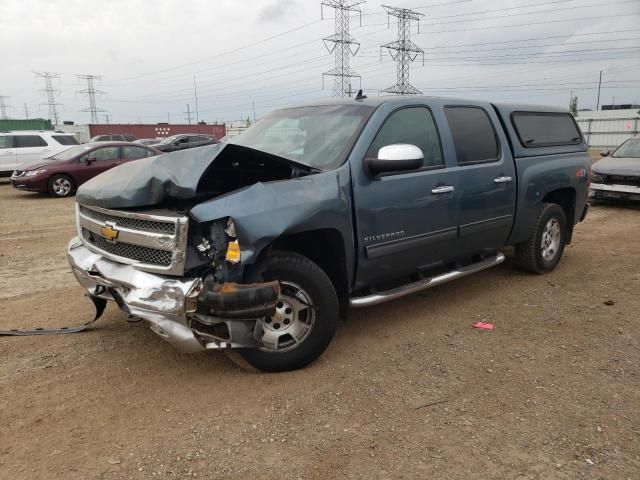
(443, 189)
(502, 180)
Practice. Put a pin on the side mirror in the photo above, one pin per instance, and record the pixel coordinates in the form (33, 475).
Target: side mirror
(90, 160)
(605, 153)
(399, 157)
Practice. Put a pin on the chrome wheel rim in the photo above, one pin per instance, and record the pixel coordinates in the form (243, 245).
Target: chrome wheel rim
(551, 239)
(292, 323)
(61, 186)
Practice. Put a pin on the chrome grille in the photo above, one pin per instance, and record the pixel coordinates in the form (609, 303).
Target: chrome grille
(151, 256)
(151, 240)
(132, 223)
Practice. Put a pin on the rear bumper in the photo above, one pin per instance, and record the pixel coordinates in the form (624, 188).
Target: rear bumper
(606, 191)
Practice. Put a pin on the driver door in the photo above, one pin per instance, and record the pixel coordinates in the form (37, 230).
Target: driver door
(96, 162)
(406, 221)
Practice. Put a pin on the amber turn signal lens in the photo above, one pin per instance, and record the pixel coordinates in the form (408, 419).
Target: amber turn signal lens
(233, 252)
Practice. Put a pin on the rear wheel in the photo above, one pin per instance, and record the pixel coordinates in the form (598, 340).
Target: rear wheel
(305, 319)
(542, 252)
(61, 185)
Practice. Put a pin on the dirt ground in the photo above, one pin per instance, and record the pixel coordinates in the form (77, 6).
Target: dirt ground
(406, 390)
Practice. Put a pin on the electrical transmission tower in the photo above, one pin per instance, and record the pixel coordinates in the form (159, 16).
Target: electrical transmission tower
(344, 45)
(188, 114)
(3, 107)
(91, 93)
(403, 50)
(51, 94)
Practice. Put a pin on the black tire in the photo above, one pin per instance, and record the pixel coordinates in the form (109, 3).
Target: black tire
(55, 185)
(299, 270)
(529, 255)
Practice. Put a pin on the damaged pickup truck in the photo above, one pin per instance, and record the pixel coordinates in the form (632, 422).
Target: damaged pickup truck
(264, 242)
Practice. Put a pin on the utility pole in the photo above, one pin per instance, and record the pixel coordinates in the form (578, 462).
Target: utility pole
(599, 85)
(403, 50)
(91, 93)
(26, 111)
(253, 105)
(343, 44)
(106, 118)
(3, 107)
(188, 113)
(195, 93)
(51, 94)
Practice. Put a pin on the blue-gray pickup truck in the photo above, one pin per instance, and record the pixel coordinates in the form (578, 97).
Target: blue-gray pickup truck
(263, 242)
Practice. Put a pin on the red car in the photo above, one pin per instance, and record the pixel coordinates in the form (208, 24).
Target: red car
(61, 174)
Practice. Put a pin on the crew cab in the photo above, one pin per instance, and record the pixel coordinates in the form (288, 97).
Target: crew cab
(264, 242)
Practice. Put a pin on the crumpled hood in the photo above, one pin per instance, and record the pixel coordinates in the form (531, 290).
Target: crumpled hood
(203, 172)
(150, 180)
(617, 166)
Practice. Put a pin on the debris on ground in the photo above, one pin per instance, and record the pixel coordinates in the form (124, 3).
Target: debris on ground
(483, 325)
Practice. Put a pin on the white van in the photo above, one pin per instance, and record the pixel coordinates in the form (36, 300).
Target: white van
(20, 147)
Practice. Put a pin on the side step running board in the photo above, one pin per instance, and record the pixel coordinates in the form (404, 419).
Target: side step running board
(380, 297)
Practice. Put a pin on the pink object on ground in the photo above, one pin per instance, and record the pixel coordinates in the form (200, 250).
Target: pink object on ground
(483, 325)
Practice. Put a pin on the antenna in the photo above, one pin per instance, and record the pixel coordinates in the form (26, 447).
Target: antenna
(403, 50)
(344, 45)
(91, 93)
(51, 94)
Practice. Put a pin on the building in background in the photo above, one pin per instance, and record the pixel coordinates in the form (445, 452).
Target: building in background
(30, 124)
(159, 130)
(608, 128)
(84, 133)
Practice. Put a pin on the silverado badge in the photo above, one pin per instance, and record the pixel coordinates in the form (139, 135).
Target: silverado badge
(109, 232)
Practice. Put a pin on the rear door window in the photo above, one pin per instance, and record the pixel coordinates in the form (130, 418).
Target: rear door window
(473, 135)
(28, 141)
(414, 126)
(545, 129)
(65, 139)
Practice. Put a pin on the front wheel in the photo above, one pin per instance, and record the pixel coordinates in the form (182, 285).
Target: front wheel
(305, 320)
(61, 185)
(542, 252)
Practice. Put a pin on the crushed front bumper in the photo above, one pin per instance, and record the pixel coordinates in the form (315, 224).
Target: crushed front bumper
(190, 314)
(165, 302)
(614, 192)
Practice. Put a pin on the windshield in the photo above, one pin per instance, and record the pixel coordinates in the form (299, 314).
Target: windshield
(630, 148)
(70, 153)
(319, 137)
(168, 140)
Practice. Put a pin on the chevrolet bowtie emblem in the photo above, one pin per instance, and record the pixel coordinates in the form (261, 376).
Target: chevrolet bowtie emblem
(109, 232)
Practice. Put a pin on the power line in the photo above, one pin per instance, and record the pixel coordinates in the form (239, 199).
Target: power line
(51, 94)
(403, 50)
(344, 45)
(91, 93)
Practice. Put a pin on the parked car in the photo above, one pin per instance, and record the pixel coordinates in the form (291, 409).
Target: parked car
(61, 174)
(113, 137)
(617, 176)
(20, 147)
(181, 142)
(262, 243)
(148, 141)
